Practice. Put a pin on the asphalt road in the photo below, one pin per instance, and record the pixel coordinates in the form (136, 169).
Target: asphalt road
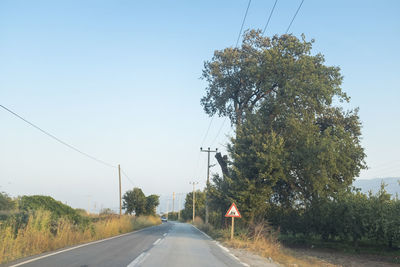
(169, 244)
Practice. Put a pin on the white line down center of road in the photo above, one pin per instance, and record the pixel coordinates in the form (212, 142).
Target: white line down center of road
(139, 259)
(157, 241)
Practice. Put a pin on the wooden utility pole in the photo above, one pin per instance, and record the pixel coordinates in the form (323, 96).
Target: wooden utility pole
(208, 176)
(173, 202)
(120, 196)
(179, 207)
(194, 198)
(167, 208)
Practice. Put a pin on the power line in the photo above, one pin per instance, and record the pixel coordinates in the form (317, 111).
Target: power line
(57, 139)
(219, 131)
(127, 177)
(237, 42)
(297, 11)
(208, 129)
(241, 28)
(269, 18)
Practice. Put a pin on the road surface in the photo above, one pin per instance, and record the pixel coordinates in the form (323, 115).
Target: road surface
(169, 244)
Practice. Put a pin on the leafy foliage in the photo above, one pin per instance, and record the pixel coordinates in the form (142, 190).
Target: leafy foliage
(152, 202)
(292, 146)
(57, 208)
(295, 152)
(135, 201)
(282, 68)
(200, 199)
(352, 216)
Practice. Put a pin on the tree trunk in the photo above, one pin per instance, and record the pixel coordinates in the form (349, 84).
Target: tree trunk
(223, 162)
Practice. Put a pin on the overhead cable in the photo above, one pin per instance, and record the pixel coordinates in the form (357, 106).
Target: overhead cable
(58, 139)
(244, 19)
(127, 177)
(297, 11)
(269, 18)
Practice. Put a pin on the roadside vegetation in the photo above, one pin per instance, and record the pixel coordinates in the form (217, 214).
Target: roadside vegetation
(294, 154)
(31, 225)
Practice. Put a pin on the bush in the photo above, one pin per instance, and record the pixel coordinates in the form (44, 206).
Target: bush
(352, 216)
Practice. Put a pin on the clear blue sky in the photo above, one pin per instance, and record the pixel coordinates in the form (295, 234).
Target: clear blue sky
(120, 80)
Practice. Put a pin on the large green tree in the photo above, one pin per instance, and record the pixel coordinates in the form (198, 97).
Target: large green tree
(134, 201)
(293, 146)
(152, 202)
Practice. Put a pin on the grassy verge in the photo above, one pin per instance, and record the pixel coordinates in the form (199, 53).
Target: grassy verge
(364, 247)
(41, 233)
(262, 241)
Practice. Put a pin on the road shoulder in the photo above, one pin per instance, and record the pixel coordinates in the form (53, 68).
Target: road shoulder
(246, 257)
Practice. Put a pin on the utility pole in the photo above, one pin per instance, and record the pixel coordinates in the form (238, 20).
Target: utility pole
(120, 196)
(179, 207)
(167, 208)
(88, 211)
(194, 197)
(208, 176)
(173, 202)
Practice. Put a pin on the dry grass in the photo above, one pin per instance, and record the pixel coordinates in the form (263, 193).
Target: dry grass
(41, 234)
(272, 249)
(262, 240)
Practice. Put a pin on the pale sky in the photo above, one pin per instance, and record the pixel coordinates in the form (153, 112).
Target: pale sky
(120, 81)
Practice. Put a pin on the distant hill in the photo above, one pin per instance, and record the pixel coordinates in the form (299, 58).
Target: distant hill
(374, 185)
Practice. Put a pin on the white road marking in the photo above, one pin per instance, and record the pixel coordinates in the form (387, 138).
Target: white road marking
(202, 232)
(139, 259)
(157, 241)
(165, 234)
(231, 254)
(223, 248)
(79, 246)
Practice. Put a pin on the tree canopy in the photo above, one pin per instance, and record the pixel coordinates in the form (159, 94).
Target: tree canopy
(294, 145)
(134, 201)
(282, 68)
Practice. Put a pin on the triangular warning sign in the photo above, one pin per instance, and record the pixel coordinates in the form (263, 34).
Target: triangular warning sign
(233, 212)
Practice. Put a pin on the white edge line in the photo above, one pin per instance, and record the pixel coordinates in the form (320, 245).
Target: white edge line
(79, 246)
(223, 248)
(202, 232)
(165, 234)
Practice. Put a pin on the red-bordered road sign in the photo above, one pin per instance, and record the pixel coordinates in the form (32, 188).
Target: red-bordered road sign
(233, 212)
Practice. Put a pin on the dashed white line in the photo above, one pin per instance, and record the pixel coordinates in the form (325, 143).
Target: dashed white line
(165, 234)
(139, 259)
(157, 241)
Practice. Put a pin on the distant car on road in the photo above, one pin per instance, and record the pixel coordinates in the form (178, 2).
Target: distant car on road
(163, 219)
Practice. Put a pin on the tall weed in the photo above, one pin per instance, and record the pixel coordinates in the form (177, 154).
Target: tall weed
(41, 233)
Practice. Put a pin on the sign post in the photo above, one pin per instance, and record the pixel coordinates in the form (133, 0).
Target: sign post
(233, 212)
